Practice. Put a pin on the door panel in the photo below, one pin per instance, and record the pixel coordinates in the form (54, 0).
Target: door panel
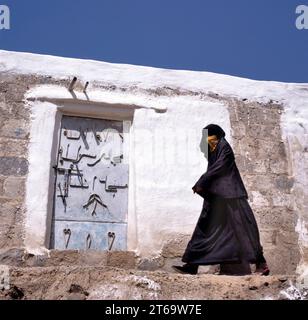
(91, 190)
(71, 235)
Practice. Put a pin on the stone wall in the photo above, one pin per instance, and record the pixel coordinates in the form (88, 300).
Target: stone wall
(14, 135)
(262, 161)
(256, 138)
(14, 139)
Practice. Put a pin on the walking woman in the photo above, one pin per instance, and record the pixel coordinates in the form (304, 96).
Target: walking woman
(226, 232)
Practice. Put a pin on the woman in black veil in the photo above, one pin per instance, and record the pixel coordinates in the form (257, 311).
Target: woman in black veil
(226, 232)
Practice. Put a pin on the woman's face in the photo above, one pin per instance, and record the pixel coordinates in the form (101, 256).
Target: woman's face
(208, 142)
(212, 141)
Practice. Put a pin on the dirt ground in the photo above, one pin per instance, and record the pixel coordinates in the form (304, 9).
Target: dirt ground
(92, 283)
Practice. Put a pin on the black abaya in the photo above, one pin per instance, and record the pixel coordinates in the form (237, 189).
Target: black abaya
(226, 231)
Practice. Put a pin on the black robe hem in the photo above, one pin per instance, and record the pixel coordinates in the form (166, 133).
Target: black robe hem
(226, 233)
(224, 261)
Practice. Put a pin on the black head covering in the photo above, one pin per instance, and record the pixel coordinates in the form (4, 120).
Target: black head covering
(214, 129)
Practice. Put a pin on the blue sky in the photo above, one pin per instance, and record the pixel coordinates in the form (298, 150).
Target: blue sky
(252, 39)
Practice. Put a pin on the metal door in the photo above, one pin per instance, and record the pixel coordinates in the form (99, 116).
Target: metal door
(91, 190)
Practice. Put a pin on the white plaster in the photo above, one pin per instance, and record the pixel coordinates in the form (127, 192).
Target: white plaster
(62, 95)
(43, 116)
(294, 124)
(301, 228)
(167, 162)
(147, 77)
(164, 157)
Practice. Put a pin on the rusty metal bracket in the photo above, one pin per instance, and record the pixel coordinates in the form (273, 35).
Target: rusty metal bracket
(63, 197)
(88, 241)
(111, 237)
(69, 134)
(67, 235)
(71, 159)
(96, 199)
(112, 188)
(84, 155)
(95, 162)
(94, 179)
(82, 182)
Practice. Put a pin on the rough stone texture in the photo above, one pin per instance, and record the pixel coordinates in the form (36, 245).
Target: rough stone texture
(262, 161)
(13, 166)
(92, 283)
(174, 246)
(11, 222)
(151, 264)
(12, 257)
(19, 257)
(14, 139)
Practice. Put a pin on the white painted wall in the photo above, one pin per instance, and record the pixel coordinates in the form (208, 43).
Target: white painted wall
(161, 197)
(164, 156)
(294, 123)
(38, 184)
(167, 163)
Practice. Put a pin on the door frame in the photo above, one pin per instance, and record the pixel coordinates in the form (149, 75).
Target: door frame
(44, 143)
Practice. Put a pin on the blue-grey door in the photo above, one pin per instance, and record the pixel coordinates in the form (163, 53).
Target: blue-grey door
(91, 189)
